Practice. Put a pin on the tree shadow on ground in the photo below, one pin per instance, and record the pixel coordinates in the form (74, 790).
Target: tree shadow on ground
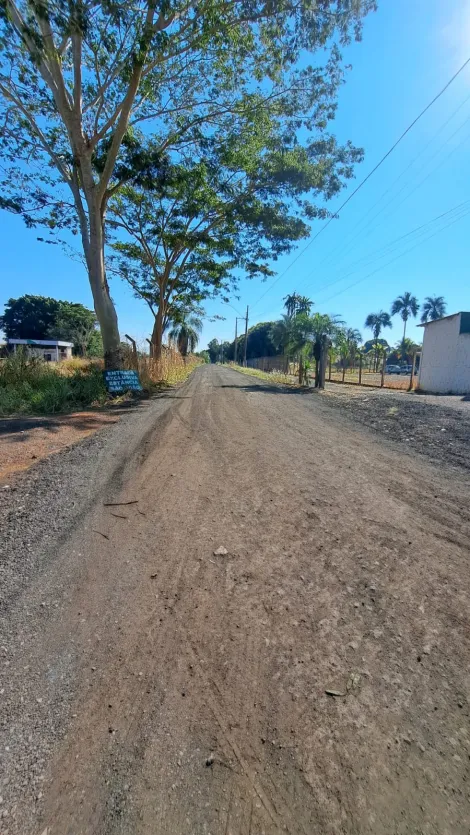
(268, 388)
(22, 426)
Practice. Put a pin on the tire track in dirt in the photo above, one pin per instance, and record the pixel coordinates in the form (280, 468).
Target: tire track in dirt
(328, 572)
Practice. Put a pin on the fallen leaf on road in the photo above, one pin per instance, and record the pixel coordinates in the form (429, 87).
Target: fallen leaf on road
(220, 552)
(153, 576)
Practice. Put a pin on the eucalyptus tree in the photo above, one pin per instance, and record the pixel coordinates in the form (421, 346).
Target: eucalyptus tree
(78, 78)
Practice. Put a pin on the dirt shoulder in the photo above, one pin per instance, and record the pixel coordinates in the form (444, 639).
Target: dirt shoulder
(25, 441)
(438, 427)
(269, 635)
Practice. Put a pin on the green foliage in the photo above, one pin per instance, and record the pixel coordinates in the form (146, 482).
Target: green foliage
(182, 68)
(82, 85)
(434, 307)
(406, 305)
(377, 321)
(204, 356)
(404, 351)
(294, 303)
(29, 317)
(371, 344)
(213, 350)
(29, 386)
(39, 317)
(260, 343)
(346, 343)
(185, 332)
(234, 203)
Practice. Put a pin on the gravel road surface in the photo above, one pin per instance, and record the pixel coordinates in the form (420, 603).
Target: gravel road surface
(272, 637)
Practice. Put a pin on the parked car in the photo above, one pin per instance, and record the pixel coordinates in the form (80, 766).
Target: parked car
(406, 369)
(393, 369)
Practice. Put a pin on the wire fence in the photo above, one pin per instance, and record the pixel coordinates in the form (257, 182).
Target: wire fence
(363, 370)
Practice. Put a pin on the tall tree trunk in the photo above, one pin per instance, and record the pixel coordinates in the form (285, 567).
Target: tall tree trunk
(404, 330)
(157, 334)
(104, 306)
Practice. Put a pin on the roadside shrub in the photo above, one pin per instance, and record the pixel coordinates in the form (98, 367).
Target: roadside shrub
(30, 386)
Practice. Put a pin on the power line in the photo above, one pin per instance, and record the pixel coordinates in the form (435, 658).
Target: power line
(383, 266)
(335, 251)
(365, 180)
(381, 252)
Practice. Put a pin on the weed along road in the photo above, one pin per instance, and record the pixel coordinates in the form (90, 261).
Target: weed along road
(258, 622)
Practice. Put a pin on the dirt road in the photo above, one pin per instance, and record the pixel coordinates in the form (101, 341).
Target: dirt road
(151, 686)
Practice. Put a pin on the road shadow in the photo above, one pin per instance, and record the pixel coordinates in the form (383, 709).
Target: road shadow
(268, 388)
(19, 428)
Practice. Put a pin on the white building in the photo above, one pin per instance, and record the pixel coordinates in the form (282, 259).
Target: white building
(445, 360)
(50, 350)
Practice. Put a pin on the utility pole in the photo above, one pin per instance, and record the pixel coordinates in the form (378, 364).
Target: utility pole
(246, 337)
(235, 344)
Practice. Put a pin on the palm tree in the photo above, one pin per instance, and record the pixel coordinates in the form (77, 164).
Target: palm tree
(325, 329)
(292, 335)
(185, 332)
(406, 348)
(352, 338)
(304, 305)
(406, 305)
(377, 321)
(434, 307)
(291, 303)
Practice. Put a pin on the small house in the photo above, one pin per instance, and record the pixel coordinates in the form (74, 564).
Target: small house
(49, 350)
(445, 358)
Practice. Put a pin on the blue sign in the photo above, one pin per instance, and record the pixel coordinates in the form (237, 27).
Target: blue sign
(118, 381)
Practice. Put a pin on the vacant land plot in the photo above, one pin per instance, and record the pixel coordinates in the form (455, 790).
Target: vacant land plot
(436, 426)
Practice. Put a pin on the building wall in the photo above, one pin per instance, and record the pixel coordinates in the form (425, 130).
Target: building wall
(46, 353)
(445, 359)
(462, 365)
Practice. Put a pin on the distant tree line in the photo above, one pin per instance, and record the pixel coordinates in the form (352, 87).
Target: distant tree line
(297, 332)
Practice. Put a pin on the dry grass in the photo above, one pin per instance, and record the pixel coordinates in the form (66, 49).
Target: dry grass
(272, 376)
(30, 386)
(372, 378)
(170, 370)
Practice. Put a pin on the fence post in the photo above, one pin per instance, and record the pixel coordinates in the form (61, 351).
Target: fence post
(134, 350)
(383, 373)
(412, 371)
(360, 369)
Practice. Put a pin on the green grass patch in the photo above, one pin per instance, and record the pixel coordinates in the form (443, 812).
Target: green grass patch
(30, 386)
(276, 377)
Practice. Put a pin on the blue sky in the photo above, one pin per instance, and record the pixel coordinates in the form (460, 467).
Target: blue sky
(409, 51)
